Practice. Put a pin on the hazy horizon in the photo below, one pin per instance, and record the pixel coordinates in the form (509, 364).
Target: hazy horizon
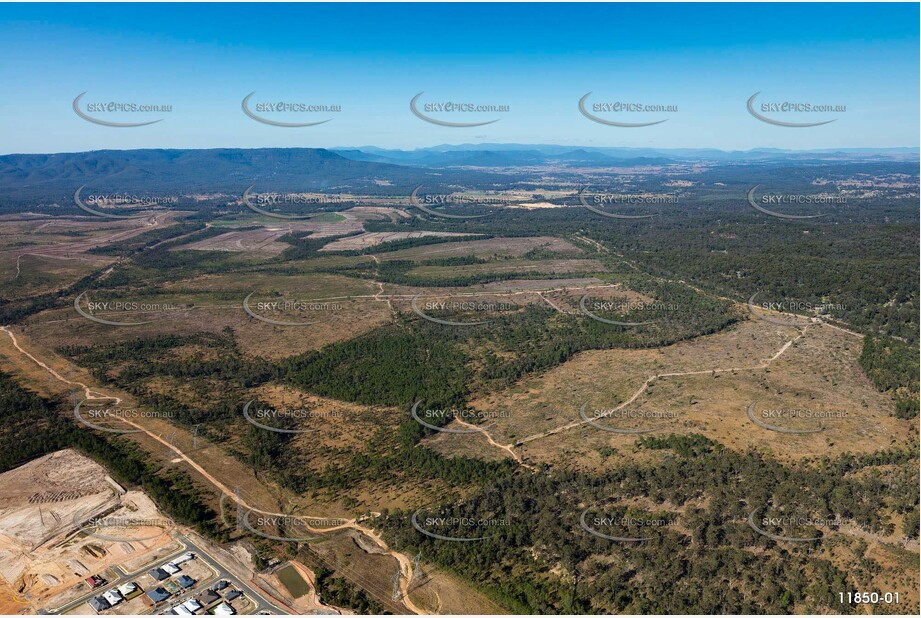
(485, 146)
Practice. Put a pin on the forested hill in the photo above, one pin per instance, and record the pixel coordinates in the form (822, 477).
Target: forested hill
(27, 178)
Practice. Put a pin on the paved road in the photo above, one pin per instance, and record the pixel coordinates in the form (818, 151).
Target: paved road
(405, 565)
(262, 604)
(122, 577)
(221, 572)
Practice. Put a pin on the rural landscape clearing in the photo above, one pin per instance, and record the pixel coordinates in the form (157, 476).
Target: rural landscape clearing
(645, 342)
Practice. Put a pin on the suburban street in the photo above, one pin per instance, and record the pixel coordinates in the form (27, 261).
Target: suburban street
(220, 572)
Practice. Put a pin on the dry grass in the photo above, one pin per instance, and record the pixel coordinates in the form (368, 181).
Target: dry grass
(262, 242)
(340, 308)
(370, 239)
(444, 594)
(509, 247)
(818, 373)
(41, 254)
(552, 267)
(373, 571)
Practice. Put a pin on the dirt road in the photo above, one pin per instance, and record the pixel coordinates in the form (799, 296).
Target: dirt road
(510, 448)
(406, 569)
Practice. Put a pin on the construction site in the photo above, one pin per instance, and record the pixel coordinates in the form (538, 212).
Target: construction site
(64, 526)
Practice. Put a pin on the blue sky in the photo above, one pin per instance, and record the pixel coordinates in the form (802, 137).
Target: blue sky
(538, 59)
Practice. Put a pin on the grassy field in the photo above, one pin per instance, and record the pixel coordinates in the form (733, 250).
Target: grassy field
(818, 373)
(340, 307)
(293, 581)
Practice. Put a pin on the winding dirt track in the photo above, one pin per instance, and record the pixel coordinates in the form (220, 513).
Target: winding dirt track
(406, 568)
(510, 448)
(87, 392)
(652, 379)
(405, 564)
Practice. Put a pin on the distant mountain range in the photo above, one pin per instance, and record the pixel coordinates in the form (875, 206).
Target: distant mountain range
(500, 157)
(32, 178)
(516, 155)
(52, 176)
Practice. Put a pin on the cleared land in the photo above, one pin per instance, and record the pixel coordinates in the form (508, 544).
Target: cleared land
(507, 247)
(379, 213)
(262, 241)
(41, 254)
(335, 307)
(816, 375)
(209, 465)
(44, 553)
(370, 239)
(441, 593)
(550, 267)
(813, 369)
